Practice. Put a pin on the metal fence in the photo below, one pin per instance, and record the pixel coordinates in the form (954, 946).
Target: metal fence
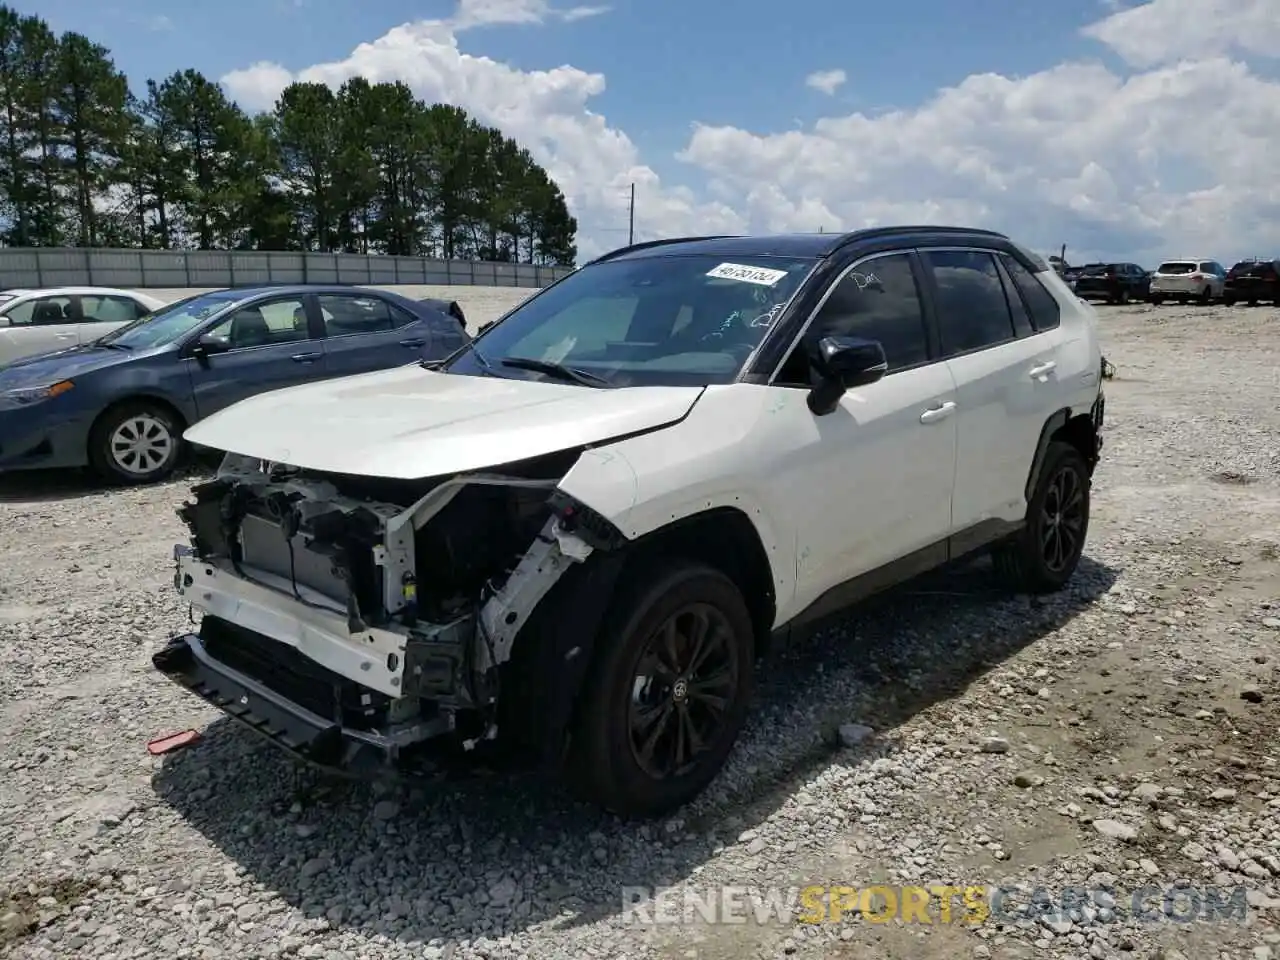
(131, 269)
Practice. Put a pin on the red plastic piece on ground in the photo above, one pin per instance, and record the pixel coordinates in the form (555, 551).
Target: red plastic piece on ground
(171, 742)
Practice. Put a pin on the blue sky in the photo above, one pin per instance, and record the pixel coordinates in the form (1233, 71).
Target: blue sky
(1055, 151)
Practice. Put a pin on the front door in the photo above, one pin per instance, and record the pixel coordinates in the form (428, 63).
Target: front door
(38, 325)
(272, 346)
(871, 481)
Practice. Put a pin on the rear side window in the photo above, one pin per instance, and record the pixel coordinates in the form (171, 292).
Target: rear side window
(1040, 303)
(972, 310)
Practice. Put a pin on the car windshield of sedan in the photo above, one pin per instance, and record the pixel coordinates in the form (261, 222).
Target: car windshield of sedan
(680, 320)
(169, 323)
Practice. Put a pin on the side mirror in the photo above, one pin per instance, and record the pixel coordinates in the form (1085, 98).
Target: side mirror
(208, 345)
(843, 363)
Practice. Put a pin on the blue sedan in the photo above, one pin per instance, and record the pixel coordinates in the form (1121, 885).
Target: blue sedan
(120, 404)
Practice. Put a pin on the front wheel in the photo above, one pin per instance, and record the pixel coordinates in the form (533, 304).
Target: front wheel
(1206, 295)
(667, 694)
(1042, 557)
(1157, 300)
(135, 443)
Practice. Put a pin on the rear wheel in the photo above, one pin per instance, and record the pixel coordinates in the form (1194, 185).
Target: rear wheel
(1124, 297)
(135, 443)
(668, 693)
(1156, 300)
(1045, 553)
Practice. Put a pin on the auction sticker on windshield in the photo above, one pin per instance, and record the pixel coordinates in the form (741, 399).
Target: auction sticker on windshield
(738, 271)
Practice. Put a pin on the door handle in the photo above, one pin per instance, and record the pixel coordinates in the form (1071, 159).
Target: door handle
(305, 357)
(1042, 369)
(940, 412)
(413, 342)
(65, 336)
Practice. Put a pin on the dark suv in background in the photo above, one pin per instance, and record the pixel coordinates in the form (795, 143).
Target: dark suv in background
(1113, 282)
(1253, 280)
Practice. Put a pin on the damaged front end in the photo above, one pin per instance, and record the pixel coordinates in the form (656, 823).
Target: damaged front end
(354, 620)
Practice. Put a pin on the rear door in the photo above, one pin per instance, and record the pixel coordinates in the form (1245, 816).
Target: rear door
(38, 325)
(274, 344)
(1006, 378)
(363, 332)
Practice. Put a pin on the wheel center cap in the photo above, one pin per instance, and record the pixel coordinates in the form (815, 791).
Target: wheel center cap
(680, 690)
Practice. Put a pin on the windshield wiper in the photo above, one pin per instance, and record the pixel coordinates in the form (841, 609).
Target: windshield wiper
(469, 345)
(556, 370)
(112, 344)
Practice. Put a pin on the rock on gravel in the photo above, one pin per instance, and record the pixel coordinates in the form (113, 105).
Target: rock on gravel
(1118, 701)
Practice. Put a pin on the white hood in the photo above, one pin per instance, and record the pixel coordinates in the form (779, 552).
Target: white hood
(409, 423)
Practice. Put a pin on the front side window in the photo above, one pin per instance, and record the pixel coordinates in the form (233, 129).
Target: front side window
(663, 320)
(265, 324)
(42, 312)
(972, 311)
(877, 300)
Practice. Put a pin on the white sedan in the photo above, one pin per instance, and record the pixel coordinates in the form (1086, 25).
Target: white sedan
(37, 321)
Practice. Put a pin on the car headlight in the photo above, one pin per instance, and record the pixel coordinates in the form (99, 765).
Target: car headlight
(28, 395)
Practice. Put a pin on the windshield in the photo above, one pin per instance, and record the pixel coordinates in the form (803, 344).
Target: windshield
(1177, 266)
(171, 322)
(665, 320)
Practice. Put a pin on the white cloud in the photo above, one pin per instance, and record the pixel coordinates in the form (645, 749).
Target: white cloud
(1165, 31)
(483, 13)
(1177, 155)
(827, 81)
(544, 110)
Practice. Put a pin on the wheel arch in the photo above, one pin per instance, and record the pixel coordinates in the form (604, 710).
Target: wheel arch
(1067, 425)
(140, 397)
(553, 653)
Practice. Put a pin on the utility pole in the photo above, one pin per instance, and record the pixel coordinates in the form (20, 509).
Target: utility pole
(631, 228)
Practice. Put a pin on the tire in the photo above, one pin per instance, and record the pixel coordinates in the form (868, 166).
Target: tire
(605, 755)
(1022, 561)
(146, 462)
(1206, 297)
(1156, 301)
(1228, 301)
(1123, 298)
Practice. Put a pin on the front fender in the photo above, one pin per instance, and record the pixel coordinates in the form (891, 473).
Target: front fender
(711, 459)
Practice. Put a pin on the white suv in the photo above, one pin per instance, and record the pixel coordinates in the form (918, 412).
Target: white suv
(1195, 278)
(577, 535)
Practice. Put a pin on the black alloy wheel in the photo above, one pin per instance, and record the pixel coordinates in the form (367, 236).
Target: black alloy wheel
(684, 680)
(1043, 556)
(1062, 519)
(667, 691)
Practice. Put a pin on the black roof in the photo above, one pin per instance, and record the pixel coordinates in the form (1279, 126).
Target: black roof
(810, 245)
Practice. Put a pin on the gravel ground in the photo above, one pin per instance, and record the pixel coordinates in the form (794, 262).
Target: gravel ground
(1120, 735)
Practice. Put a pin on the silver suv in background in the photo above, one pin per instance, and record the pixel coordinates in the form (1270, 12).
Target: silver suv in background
(1189, 279)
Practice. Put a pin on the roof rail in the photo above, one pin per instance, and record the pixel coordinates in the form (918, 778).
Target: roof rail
(645, 245)
(871, 232)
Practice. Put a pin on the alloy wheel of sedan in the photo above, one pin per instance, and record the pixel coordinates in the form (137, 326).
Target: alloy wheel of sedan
(141, 444)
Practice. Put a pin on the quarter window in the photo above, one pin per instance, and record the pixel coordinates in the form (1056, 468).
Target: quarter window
(878, 300)
(1041, 304)
(972, 311)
